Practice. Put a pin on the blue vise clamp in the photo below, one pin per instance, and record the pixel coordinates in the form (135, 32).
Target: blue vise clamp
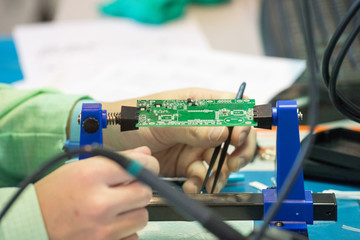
(93, 119)
(297, 209)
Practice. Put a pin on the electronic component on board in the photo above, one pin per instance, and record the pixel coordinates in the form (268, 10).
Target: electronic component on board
(189, 112)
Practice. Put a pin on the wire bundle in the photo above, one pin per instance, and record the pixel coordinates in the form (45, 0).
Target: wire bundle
(342, 104)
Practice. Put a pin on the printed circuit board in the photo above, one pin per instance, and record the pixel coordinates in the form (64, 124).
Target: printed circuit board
(203, 112)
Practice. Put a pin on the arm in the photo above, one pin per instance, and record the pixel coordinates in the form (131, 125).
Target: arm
(32, 129)
(86, 199)
(24, 219)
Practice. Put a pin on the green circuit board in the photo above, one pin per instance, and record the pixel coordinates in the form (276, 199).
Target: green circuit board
(203, 112)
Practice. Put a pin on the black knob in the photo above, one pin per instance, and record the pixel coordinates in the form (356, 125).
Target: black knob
(91, 125)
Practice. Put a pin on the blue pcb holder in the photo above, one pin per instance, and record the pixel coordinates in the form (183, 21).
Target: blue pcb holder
(297, 209)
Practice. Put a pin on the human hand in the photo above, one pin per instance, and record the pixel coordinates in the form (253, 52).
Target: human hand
(181, 150)
(95, 199)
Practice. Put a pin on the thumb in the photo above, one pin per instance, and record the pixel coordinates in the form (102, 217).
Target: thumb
(201, 136)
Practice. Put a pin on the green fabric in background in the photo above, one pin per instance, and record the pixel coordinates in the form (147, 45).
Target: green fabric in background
(209, 2)
(146, 11)
(150, 11)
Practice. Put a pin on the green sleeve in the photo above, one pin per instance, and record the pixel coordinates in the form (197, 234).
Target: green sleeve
(32, 129)
(23, 220)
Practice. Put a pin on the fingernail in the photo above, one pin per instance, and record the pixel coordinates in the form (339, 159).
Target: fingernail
(242, 137)
(215, 133)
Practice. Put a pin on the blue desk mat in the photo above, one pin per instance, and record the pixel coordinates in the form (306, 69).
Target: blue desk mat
(10, 70)
(348, 210)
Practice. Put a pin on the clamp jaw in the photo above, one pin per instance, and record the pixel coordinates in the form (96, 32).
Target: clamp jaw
(93, 119)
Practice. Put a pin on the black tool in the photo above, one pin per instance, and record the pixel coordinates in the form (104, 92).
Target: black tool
(239, 95)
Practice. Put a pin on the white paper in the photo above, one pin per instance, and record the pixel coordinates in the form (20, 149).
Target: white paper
(53, 49)
(85, 58)
(351, 195)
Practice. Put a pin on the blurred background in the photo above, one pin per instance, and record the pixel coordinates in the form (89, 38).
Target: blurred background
(14, 12)
(121, 49)
(254, 27)
(232, 25)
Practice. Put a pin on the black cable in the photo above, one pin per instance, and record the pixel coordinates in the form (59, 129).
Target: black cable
(239, 95)
(211, 166)
(344, 106)
(312, 116)
(186, 206)
(222, 159)
(334, 40)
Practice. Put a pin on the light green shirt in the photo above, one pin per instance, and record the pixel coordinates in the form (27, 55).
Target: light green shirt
(32, 130)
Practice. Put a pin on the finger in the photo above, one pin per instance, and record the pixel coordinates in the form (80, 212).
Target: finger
(131, 237)
(100, 169)
(208, 154)
(244, 154)
(196, 174)
(124, 198)
(146, 160)
(143, 149)
(224, 174)
(200, 136)
(222, 180)
(129, 223)
(117, 175)
(186, 157)
(239, 135)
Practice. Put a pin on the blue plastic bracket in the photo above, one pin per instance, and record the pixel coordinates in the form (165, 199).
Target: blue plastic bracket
(92, 112)
(297, 209)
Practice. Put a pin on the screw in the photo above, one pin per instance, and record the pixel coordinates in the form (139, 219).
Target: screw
(91, 125)
(300, 115)
(279, 224)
